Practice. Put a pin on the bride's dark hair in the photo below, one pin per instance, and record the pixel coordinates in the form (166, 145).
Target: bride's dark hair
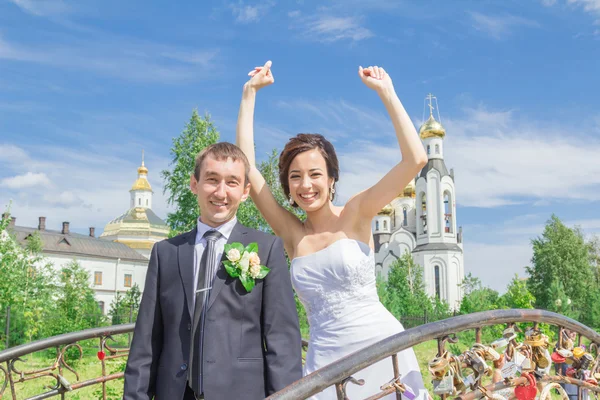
(305, 142)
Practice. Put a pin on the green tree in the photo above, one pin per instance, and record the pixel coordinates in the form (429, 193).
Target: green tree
(594, 250)
(248, 213)
(477, 297)
(125, 307)
(198, 134)
(517, 294)
(403, 294)
(26, 285)
(560, 255)
(75, 308)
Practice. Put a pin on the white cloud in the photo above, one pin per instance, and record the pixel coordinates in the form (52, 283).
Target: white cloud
(130, 59)
(42, 7)
(245, 13)
(497, 26)
(93, 196)
(327, 28)
(590, 6)
(498, 158)
(26, 181)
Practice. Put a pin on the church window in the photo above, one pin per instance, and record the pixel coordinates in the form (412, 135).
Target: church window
(405, 215)
(376, 225)
(127, 282)
(384, 225)
(101, 306)
(146, 202)
(139, 202)
(437, 149)
(437, 281)
(428, 149)
(423, 213)
(447, 212)
(98, 278)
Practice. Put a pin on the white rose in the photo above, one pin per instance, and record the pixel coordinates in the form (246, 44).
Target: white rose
(245, 262)
(254, 259)
(254, 270)
(233, 255)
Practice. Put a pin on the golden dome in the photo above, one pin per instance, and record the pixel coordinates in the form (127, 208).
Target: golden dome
(387, 210)
(141, 184)
(409, 190)
(143, 169)
(432, 128)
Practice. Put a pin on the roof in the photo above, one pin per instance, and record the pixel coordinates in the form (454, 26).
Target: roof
(437, 247)
(78, 244)
(437, 164)
(138, 215)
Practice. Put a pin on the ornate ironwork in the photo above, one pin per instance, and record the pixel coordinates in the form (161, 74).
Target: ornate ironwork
(16, 374)
(337, 372)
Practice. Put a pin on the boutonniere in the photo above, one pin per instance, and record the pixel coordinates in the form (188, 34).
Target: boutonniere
(244, 263)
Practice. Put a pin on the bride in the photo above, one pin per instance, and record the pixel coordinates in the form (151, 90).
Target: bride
(333, 267)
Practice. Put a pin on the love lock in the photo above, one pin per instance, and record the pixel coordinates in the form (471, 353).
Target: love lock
(444, 385)
(526, 392)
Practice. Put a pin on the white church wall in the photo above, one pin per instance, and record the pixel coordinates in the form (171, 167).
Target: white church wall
(113, 274)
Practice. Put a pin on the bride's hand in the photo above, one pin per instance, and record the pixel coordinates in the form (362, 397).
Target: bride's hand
(260, 77)
(376, 78)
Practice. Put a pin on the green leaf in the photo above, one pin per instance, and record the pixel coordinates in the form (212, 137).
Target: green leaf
(263, 272)
(248, 282)
(226, 248)
(252, 247)
(231, 269)
(238, 246)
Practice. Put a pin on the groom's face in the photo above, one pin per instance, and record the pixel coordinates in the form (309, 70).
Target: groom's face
(220, 189)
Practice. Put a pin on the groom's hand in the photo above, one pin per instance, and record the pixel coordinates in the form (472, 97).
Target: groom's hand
(260, 77)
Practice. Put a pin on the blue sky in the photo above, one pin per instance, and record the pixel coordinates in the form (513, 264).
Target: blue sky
(85, 86)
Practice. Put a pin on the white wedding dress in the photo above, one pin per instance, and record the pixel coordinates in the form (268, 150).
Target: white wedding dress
(337, 287)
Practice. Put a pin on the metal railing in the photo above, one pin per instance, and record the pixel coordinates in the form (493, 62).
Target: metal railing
(15, 374)
(338, 374)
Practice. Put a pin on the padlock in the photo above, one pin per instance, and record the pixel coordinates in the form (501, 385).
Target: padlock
(499, 343)
(509, 370)
(578, 352)
(444, 385)
(527, 392)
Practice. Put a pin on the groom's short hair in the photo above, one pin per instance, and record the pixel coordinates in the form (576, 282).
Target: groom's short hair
(222, 151)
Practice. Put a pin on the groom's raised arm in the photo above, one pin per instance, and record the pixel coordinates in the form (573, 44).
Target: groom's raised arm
(281, 330)
(146, 346)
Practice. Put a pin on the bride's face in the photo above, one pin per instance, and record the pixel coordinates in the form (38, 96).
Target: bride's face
(308, 180)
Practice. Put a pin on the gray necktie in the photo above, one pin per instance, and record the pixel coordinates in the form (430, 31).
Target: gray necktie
(206, 274)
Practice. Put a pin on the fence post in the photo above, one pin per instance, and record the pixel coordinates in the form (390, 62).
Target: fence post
(425, 316)
(130, 321)
(7, 326)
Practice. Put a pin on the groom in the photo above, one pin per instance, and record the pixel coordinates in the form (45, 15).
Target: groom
(199, 333)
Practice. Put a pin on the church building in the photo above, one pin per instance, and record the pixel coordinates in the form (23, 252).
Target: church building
(422, 221)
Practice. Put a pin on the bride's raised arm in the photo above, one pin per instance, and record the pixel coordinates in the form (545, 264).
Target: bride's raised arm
(285, 224)
(371, 201)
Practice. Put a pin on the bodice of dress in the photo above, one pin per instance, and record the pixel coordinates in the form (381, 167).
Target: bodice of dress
(336, 284)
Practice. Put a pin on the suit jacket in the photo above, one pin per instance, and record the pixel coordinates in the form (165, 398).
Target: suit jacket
(252, 344)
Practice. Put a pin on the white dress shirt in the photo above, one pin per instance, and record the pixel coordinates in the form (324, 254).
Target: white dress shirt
(225, 231)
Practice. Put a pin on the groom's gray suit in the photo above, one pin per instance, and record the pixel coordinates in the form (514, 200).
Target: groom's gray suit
(252, 344)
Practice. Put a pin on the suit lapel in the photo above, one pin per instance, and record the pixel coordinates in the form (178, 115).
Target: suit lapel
(185, 258)
(237, 235)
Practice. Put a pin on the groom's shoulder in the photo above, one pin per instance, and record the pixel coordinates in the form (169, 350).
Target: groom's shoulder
(175, 240)
(260, 235)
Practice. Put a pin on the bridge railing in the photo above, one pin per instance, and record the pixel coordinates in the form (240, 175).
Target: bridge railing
(339, 373)
(14, 368)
